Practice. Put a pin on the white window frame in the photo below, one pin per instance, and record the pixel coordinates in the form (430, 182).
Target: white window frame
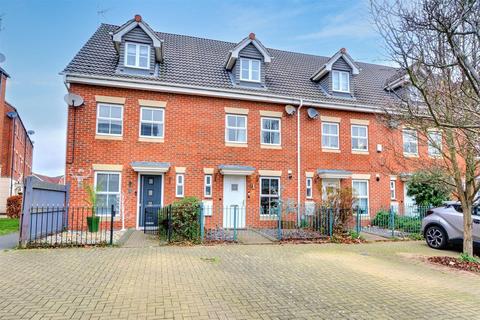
(363, 197)
(99, 105)
(119, 193)
(269, 195)
(162, 122)
(208, 184)
(434, 151)
(137, 55)
(309, 188)
(179, 184)
(411, 133)
(236, 128)
(359, 137)
(393, 189)
(340, 81)
(250, 70)
(279, 131)
(331, 135)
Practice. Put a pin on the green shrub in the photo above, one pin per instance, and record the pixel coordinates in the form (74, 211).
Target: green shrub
(407, 224)
(382, 219)
(185, 219)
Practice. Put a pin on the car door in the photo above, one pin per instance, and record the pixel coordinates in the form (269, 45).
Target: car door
(476, 224)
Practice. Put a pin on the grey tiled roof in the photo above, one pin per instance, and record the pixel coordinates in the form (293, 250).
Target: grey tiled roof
(201, 62)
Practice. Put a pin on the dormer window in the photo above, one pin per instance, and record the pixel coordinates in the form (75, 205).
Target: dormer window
(249, 70)
(137, 55)
(340, 81)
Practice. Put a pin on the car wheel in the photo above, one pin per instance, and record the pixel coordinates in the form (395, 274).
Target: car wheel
(436, 237)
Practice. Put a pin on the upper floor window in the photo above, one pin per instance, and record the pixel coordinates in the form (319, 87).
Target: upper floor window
(340, 81)
(249, 70)
(359, 138)
(109, 119)
(137, 55)
(434, 143)
(330, 135)
(151, 122)
(236, 128)
(271, 131)
(410, 142)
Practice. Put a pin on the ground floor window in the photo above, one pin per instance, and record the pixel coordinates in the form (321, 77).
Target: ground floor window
(179, 185)
(360, 192)
(309, 188)
(208, 186)
(269, 195)
(107, 189)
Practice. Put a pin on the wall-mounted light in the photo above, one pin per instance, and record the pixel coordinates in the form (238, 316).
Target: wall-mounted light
(290, 174)
(377, 177)
(379, 148)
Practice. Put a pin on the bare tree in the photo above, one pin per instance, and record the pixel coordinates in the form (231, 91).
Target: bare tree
(437, 90)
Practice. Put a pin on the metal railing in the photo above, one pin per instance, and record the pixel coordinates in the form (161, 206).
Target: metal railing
(55, 226)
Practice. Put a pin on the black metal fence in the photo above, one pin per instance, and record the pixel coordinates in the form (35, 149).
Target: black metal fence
(55, 226)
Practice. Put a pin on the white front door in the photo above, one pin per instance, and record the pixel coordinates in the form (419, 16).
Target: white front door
(409, 204)
(234, 201)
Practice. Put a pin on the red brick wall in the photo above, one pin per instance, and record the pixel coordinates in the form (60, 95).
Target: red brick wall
(194, 138)
(3, 85)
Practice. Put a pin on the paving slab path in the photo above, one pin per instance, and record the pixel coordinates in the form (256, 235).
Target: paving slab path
(384, 280)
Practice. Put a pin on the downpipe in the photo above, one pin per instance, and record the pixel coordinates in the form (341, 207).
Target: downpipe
(298, 161)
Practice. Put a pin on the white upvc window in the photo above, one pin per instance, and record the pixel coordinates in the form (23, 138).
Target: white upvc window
(249, 70)
(330, 135)
(269, 195)
(236, 128)
(393, 189)
(410, 142)
(152, 122)
(137, 55)
(107, 188)
(180, 185)
(340, 81)
(434, 143)
(360, 192)
(208, 186)
(109, 119)
(309, 188)
(359, 138)
(271, 131)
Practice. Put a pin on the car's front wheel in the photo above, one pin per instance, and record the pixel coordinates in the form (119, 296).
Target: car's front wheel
(436, 237)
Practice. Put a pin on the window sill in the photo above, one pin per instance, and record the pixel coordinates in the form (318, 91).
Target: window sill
(236, 145)
(107, 137)
(435, 157)
(266, 217)
(410, 155)
(360, 152)
(146, 139)
(331, 150)
(270, 146)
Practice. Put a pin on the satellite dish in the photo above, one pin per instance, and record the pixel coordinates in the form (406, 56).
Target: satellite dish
(30, 132)
(2, 57)
(290, 110)
(73, 100)
(312, 113)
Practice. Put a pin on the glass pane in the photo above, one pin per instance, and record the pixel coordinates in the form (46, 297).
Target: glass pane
(180, 179)
(103, 126)
(116, 112)
(104, 111)
(113, 199)
(354, 143)
(241, 122)
(265, 186)
(344, 82)
(275, 138)
(146, 114)
(231, 135)
(102, 200)
(157, 115)
(362, 131)
(157, 130)
(255, 65)
(144, 51)
(256, 75)
(101, 182)
(130, 60)
(335, 81)
(231, 121)
(244, 74)
(131, 49)
(355, 131)
(146, 129)
(274, 187)
(275, 124)
(143, 62)
(114, 183)
(208, 190)
(241, 135)
(116, 127)
(180, 190)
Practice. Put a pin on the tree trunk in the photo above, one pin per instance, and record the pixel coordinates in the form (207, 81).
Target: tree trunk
(467, 230)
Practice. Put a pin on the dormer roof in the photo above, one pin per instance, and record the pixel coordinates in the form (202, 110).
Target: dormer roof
(251, 39)
(327, 67)
(138, 22)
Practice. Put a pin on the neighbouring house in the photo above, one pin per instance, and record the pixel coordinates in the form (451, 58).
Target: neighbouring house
(54, 180)
(235, 124)
(16, 148)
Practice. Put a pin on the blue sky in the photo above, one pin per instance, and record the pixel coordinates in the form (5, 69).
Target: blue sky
(39, 38)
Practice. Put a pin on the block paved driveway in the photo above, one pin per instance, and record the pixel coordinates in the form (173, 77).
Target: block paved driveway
(368, 281)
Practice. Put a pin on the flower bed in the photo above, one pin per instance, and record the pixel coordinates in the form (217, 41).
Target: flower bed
(456, 263)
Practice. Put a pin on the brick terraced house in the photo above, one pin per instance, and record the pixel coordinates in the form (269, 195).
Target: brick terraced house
(16, 148)
(235, 124)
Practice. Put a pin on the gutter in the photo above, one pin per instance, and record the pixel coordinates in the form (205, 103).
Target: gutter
(150, 85)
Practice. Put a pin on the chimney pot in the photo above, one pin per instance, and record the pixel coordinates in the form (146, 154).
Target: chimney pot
(251, 36)
(138, 18)
(343, 50)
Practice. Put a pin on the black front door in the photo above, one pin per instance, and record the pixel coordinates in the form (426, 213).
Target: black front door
(150, 199)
